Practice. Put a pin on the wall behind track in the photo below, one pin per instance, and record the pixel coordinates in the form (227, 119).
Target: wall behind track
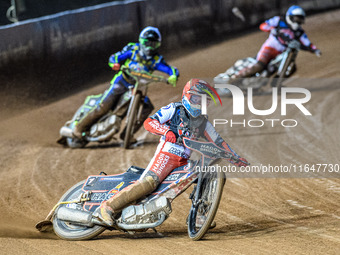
(48, 56)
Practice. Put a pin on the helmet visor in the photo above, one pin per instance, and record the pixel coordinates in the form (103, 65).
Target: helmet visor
(299, 19)
(197, 99)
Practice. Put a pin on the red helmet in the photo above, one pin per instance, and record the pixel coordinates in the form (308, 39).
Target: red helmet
(191, 97)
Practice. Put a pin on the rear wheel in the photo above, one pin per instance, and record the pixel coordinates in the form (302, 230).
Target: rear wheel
(131, 120)
(73, 232)
(202, 215)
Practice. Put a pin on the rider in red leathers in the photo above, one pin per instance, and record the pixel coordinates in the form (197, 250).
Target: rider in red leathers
(171, 122)
(282, 30)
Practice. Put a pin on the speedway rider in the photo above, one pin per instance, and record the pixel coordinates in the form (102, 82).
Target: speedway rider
(142, 56)
(282, 30)
(171, 122)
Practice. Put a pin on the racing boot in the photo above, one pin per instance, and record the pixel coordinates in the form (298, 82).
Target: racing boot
(104, 214)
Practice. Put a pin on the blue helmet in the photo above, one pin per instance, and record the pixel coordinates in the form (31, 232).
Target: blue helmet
(295, 16)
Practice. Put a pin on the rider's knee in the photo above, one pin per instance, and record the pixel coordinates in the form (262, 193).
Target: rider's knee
(258, 67)
(151, 178)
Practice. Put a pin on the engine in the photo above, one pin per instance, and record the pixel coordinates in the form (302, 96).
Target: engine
(146, 213)
(108, 124)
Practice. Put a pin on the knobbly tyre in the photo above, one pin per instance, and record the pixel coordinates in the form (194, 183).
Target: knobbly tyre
(73, 217)
(130, 104)
(283, 66)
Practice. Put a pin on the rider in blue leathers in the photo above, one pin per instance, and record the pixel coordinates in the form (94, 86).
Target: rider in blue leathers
(137, 56)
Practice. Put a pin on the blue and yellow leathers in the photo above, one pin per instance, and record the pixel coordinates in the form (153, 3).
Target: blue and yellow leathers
(131, 57)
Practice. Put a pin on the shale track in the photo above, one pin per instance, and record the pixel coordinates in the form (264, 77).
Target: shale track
(256, 215)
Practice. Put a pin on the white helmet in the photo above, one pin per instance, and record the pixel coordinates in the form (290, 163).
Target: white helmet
(149, 40)
(295, 16)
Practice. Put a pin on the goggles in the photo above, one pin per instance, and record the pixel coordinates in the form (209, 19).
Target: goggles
(150, 44)
(298, 19)
(197, 99)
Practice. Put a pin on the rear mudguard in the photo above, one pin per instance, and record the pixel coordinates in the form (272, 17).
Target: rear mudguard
(89, 103)
(94, 100)
(234, 70)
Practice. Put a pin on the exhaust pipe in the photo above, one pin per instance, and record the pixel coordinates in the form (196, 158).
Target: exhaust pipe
(76, 216)
(66, 132)
(85, 218)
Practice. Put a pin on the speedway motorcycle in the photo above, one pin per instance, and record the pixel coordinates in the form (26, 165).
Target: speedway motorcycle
(283, 66)
(130, 105)
(73, 217)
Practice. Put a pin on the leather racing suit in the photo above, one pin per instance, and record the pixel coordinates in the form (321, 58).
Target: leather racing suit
(168, 156)
(280, 34)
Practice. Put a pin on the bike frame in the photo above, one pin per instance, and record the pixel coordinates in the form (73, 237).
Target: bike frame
(105, 186)
(138, 76)
(135, 108)
(73, 215)
(287, 57)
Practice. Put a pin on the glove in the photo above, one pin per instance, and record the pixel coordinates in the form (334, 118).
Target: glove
(170, 137)
(317, 52)
(116, 67)
(172, 80)
(241, 162)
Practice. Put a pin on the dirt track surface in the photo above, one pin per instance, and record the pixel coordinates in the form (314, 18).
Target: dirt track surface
(256, 216)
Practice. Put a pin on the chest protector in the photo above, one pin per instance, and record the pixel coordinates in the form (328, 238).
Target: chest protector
(184, 125)
(288, 33)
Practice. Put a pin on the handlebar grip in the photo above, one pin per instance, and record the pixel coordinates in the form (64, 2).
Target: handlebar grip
(235, 159)
(247, 163)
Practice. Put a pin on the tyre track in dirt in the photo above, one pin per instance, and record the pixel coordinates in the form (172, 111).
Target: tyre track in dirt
(266, 216)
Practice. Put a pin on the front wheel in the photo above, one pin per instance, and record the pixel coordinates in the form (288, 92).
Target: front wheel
(72, 232)
(202, 215)
(288, 64)
(131, 120)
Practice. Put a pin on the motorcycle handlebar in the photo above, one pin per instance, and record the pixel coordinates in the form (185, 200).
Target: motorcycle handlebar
(294, 44)
(144, 75)
(210, 149)
(291, 43)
